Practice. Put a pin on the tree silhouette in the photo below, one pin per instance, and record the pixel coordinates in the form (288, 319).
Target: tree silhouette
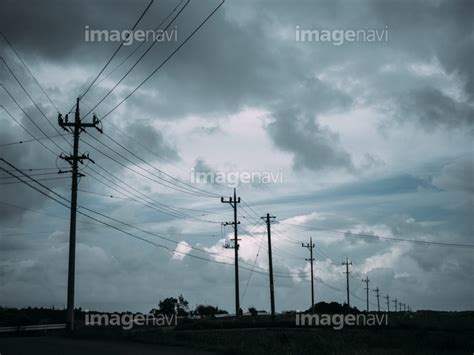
(182, 306)
(168, 306)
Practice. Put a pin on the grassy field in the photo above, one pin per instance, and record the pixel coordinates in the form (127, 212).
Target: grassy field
(416, 333)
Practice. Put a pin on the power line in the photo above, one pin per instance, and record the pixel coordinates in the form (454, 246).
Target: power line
(136, 63)
(368, 236)
(31, 98)
(45, 179)
(63, 201)
(165, 61)
(162, 208)
(159, 170)
(29, 71)
(141, 43)
(27, 130)
(118, 49)
(29, 118)
(32, 140)
(163, 181)
(251, 271)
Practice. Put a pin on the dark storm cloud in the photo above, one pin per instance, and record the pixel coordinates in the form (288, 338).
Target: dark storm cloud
(26, 156)
(433, 28)
(205, 174)
(457, 175)
(151, 139)
(213, 71)
(313, 147)
(295, 127)
(200, 166)
(432, 109)
(240, 60)
(54, 30)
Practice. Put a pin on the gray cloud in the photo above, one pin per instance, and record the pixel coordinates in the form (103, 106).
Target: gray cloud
(457, 175)
(152, 139)
(246, 57)
(313, 147)
(432, 109)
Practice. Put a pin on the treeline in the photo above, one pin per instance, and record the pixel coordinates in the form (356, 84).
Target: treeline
(180, 306)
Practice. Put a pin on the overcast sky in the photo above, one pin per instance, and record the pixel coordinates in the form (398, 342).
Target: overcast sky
(369, 137)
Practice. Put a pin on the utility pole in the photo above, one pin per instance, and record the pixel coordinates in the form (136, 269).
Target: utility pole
(366, 280)
(270, 264)
(388, 302)
(76, 127)
(399, 306)
(395, 303)
(347, 263)
(233, 202)
(377, 294)
(310, 246)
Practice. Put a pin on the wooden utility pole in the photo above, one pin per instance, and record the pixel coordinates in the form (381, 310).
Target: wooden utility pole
(310, 246)
(347, 263)
(233, 202)
(387, 298)
(267, 218)
(366, 281)
(77, 127)
(377, 294)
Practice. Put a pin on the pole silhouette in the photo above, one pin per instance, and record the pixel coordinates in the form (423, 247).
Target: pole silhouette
(377, 294)
(347, 263)
(366, 280)
(395, 303)
(233, 202)
(388, 302)
(310, 247)
(267, 218)
(77, 127)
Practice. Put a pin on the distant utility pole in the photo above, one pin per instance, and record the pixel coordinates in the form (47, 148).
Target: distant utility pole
(233, 202)
(377, 294)
(268, 218)
(404, 307)
(399, 306)
(388, 302)
(310, 246)
(366, 280)
(347, 263)
(395, 303)
(76, 127)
